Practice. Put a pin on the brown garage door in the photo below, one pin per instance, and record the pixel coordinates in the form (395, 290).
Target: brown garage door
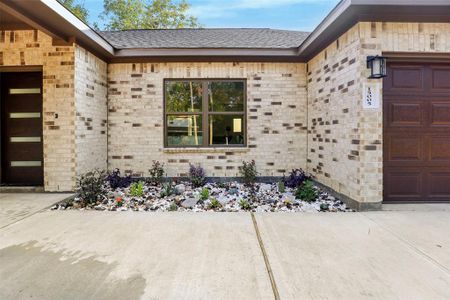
(21, 129)
(416, 100)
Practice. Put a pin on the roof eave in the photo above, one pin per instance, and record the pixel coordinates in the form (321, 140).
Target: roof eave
(349, 12)
(55, 20)
(204, 54)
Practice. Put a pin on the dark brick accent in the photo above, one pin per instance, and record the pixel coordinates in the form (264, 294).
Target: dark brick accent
(370, 147)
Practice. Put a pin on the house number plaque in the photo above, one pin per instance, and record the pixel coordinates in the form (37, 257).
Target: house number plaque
(371, 96)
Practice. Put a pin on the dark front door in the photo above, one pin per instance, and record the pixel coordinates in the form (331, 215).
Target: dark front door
(416, 100)
(21, 128)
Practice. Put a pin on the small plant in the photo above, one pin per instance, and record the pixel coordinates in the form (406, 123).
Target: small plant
(221, 185)
(244, 204)
(281, 187)
(90, 186)
(296, 178)
(306, 192)
(215, 204)
(197, 175)
(156, 173)
(173, 207)
(167, 190)
(248, 172)
(116, 181)
(204, 194)
(119, 201)
(137, 189)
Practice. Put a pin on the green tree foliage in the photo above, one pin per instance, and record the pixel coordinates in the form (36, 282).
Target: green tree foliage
(77, 8)
(147, 14)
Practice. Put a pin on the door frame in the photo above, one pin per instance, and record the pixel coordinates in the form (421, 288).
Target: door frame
(412, 57)
(22, 69)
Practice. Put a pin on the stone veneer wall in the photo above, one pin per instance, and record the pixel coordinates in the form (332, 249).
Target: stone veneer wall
(345, 141)
(91, 112)
(276, 114)
(34, 48)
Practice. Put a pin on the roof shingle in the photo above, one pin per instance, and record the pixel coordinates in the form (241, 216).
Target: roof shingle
(247, 38)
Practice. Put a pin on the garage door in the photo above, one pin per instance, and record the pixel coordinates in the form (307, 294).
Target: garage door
(416, 100)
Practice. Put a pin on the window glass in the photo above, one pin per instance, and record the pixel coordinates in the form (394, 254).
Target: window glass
(184, 130)
(226, 130)
(183, 96)
(221, 122)
(226, 96)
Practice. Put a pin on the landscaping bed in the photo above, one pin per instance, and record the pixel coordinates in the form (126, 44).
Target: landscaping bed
(228, 197)
(295, 193)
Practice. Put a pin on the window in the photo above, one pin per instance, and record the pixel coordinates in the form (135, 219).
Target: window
(205, 113)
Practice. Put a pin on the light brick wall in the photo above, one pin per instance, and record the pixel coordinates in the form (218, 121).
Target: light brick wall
(91, 112)
(353, 163)
(276, 114)
(34, 48)
(74, 104)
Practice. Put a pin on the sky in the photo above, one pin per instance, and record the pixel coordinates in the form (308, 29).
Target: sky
(303, 15)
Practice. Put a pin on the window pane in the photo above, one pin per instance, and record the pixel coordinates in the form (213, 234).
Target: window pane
(226, 96)
(184, 130)
(226, 130)
(183, 96)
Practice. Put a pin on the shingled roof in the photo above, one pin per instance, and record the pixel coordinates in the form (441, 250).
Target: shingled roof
(247, 38)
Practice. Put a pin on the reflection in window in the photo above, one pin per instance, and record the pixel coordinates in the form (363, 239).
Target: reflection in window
(184, 96)
(226, 130)
(226, 96)
(184, 130)
(205, 113)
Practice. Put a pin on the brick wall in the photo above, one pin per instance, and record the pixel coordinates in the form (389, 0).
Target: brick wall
(91, 112)
(276, 109)
(74, 104)
(34, 48)
(345, 140)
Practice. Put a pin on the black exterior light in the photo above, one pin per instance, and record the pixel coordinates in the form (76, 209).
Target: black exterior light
(377, 66)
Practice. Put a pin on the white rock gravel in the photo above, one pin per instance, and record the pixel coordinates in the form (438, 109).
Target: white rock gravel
(265, 198)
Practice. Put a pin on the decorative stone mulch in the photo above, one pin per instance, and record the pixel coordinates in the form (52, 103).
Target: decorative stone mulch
(230, 197)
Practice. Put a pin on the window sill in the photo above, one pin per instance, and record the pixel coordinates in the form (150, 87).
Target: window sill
(206, 150)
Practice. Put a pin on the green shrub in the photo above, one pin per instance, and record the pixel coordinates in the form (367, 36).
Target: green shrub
(167, 190)
(306, 192)
(204, 194)
(248, 172)
(281, 187)
(173, 207)
(156, 173)
(90, 186)
(137, 189)
(215, 204)
(244, 204)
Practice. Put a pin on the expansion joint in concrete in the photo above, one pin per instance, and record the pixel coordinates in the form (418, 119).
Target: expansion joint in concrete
(266, 259)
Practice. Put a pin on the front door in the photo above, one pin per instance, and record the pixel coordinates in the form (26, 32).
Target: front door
(417, 132)
(21, 129)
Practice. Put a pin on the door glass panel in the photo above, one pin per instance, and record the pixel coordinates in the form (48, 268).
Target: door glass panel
(24, 91)
(19, 163)
(24, 115)
(26, 139)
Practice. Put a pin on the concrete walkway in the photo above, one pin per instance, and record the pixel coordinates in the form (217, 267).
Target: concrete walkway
(16, 206)
(117, 255)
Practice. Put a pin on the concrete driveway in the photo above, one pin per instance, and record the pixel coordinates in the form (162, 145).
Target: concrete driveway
(117, 255)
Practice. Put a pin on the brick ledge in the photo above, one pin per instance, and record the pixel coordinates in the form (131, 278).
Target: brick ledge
(205, 150)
